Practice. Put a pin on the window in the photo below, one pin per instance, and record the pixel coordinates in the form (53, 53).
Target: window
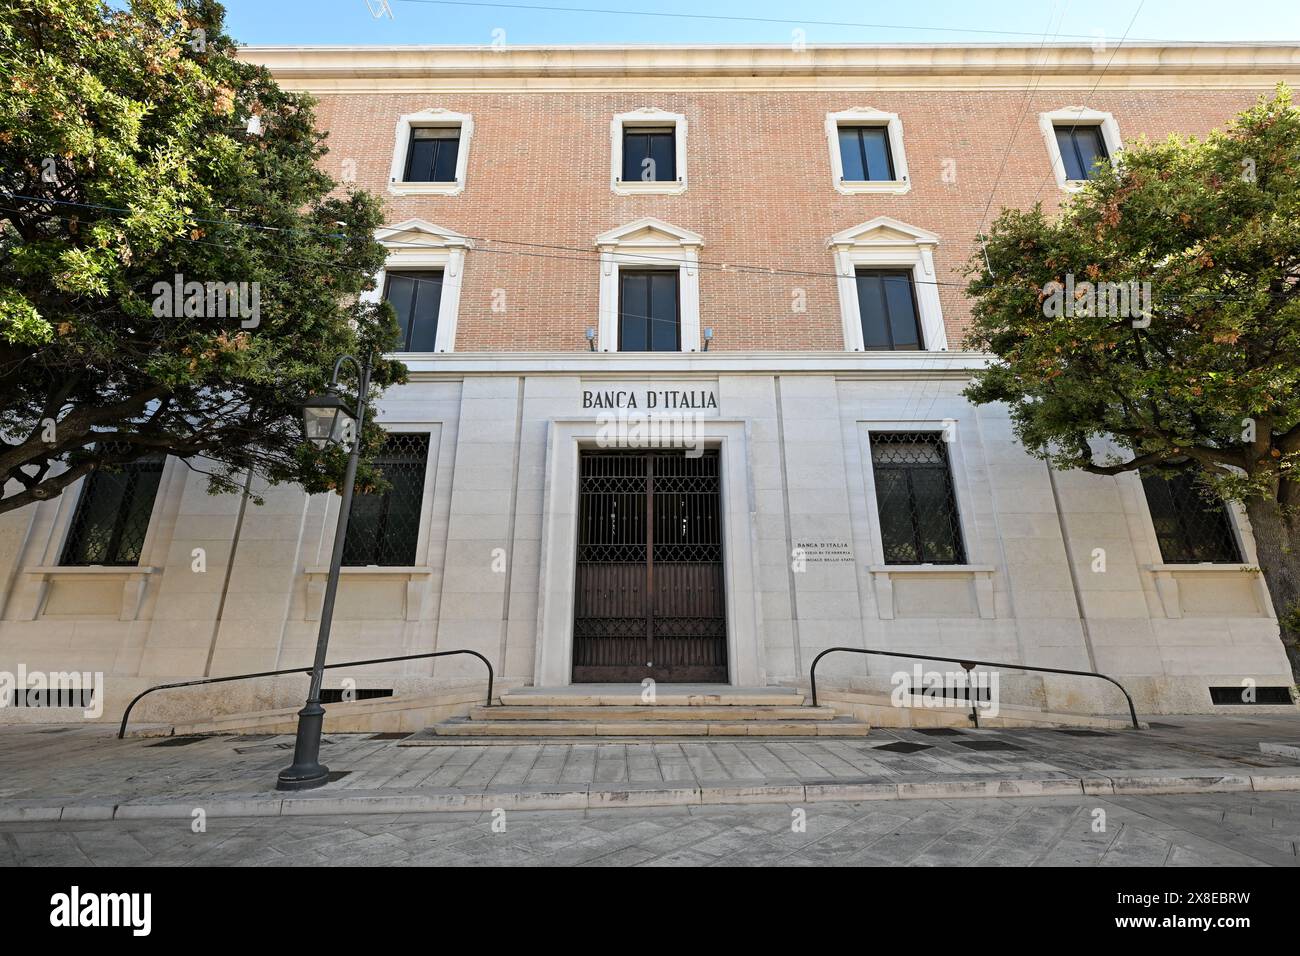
(919, 523)
(432, 155)
(112, 515)
(1081, 147)
(1077, 138)
(415, 296)
(864, 152)
(1192, 525)
(384, 527)
(649, 315)
(887, 307)
(888, 287)
(647, 153)
(649, 288)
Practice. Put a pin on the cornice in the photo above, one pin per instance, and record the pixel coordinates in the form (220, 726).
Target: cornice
(953, 65)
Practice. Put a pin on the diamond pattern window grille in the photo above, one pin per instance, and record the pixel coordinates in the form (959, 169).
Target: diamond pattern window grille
(919, 522)
(384, 528)
(112, 516)
(1191, 522)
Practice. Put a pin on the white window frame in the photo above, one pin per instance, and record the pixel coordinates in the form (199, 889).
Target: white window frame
(649, 243)
(866, 116)
(433, 117)
(1077, 116)
(414, 245)
(647, 116)
(885, 243)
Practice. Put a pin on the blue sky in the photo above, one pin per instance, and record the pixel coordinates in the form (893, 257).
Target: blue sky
(923, 21)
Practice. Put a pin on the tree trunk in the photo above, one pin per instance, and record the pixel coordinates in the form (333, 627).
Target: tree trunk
(1277, 541)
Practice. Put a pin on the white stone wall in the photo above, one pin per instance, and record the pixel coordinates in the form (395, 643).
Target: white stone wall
(796, 467)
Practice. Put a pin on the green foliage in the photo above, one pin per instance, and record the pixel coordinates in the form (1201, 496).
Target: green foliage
(1212, 377)
(125, 159)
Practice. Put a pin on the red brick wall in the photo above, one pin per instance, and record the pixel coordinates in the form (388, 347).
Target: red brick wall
(759, 193)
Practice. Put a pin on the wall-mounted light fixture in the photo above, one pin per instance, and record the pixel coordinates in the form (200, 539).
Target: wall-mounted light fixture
(708, 337)
(591, 339)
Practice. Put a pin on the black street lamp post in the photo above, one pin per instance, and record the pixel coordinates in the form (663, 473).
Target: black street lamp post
(327, 420)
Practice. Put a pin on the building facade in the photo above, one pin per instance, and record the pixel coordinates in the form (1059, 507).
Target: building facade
(684, 329)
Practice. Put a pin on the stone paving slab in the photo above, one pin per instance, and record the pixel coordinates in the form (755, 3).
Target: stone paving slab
(1219, 829)
(84, 774)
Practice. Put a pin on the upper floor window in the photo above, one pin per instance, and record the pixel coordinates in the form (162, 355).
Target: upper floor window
(384, 527)
(649, 312)
(1192, 524)
(1077, 140)
(864, 151)
(887, 306)
(112, 516)
(867, 151)
(647, 153)
(430, 153)
(919, 522)
(431, 157)
(888, 287)
(416, 297)
(649, 288)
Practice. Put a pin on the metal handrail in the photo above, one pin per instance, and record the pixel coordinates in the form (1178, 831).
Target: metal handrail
(302, 670)
(967, 664)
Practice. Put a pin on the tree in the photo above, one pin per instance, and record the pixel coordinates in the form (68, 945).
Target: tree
(1207, 377)
(176, 271)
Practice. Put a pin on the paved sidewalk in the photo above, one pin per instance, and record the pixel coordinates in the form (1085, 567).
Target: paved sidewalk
(83, 772)
(1189, 830)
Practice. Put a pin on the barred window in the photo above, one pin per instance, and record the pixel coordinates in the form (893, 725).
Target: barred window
(1191, 523)
(112, 515)
(384, 528)
(914, 494)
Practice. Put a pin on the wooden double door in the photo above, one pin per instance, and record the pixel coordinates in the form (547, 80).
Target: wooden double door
(650, 598)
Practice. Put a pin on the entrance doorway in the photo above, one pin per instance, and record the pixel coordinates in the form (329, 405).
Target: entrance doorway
(650, 599)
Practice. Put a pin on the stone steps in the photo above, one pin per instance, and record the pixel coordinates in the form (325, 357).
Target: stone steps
(666, 695)
(650, 712)
(592, 727)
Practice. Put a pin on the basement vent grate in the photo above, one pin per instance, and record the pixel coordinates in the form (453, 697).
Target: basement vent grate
(337, 775)
(940, 732)
(1239, 695)
(1083, 733)
(334, 695)
(176, 741)
(387, 735)
(78, 697)
(903, 747)
(950, 693)
(987, 745)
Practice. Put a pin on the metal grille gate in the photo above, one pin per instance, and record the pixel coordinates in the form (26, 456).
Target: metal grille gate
(650, 600)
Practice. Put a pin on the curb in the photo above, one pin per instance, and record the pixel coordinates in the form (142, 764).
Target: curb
(690, 793)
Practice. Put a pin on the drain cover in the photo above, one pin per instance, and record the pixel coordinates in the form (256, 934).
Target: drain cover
(940, 732)
(337, 775)
(176, 742)
(987, 745)
(1084, 733)
(387, 735)
(903, 747)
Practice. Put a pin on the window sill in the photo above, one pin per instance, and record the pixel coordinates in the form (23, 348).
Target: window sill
(426, 189)
(1206, 566)
(896, 187)
(416, 579)
(135, 580)
(636, 188)
(980, 577)
(92, 569)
